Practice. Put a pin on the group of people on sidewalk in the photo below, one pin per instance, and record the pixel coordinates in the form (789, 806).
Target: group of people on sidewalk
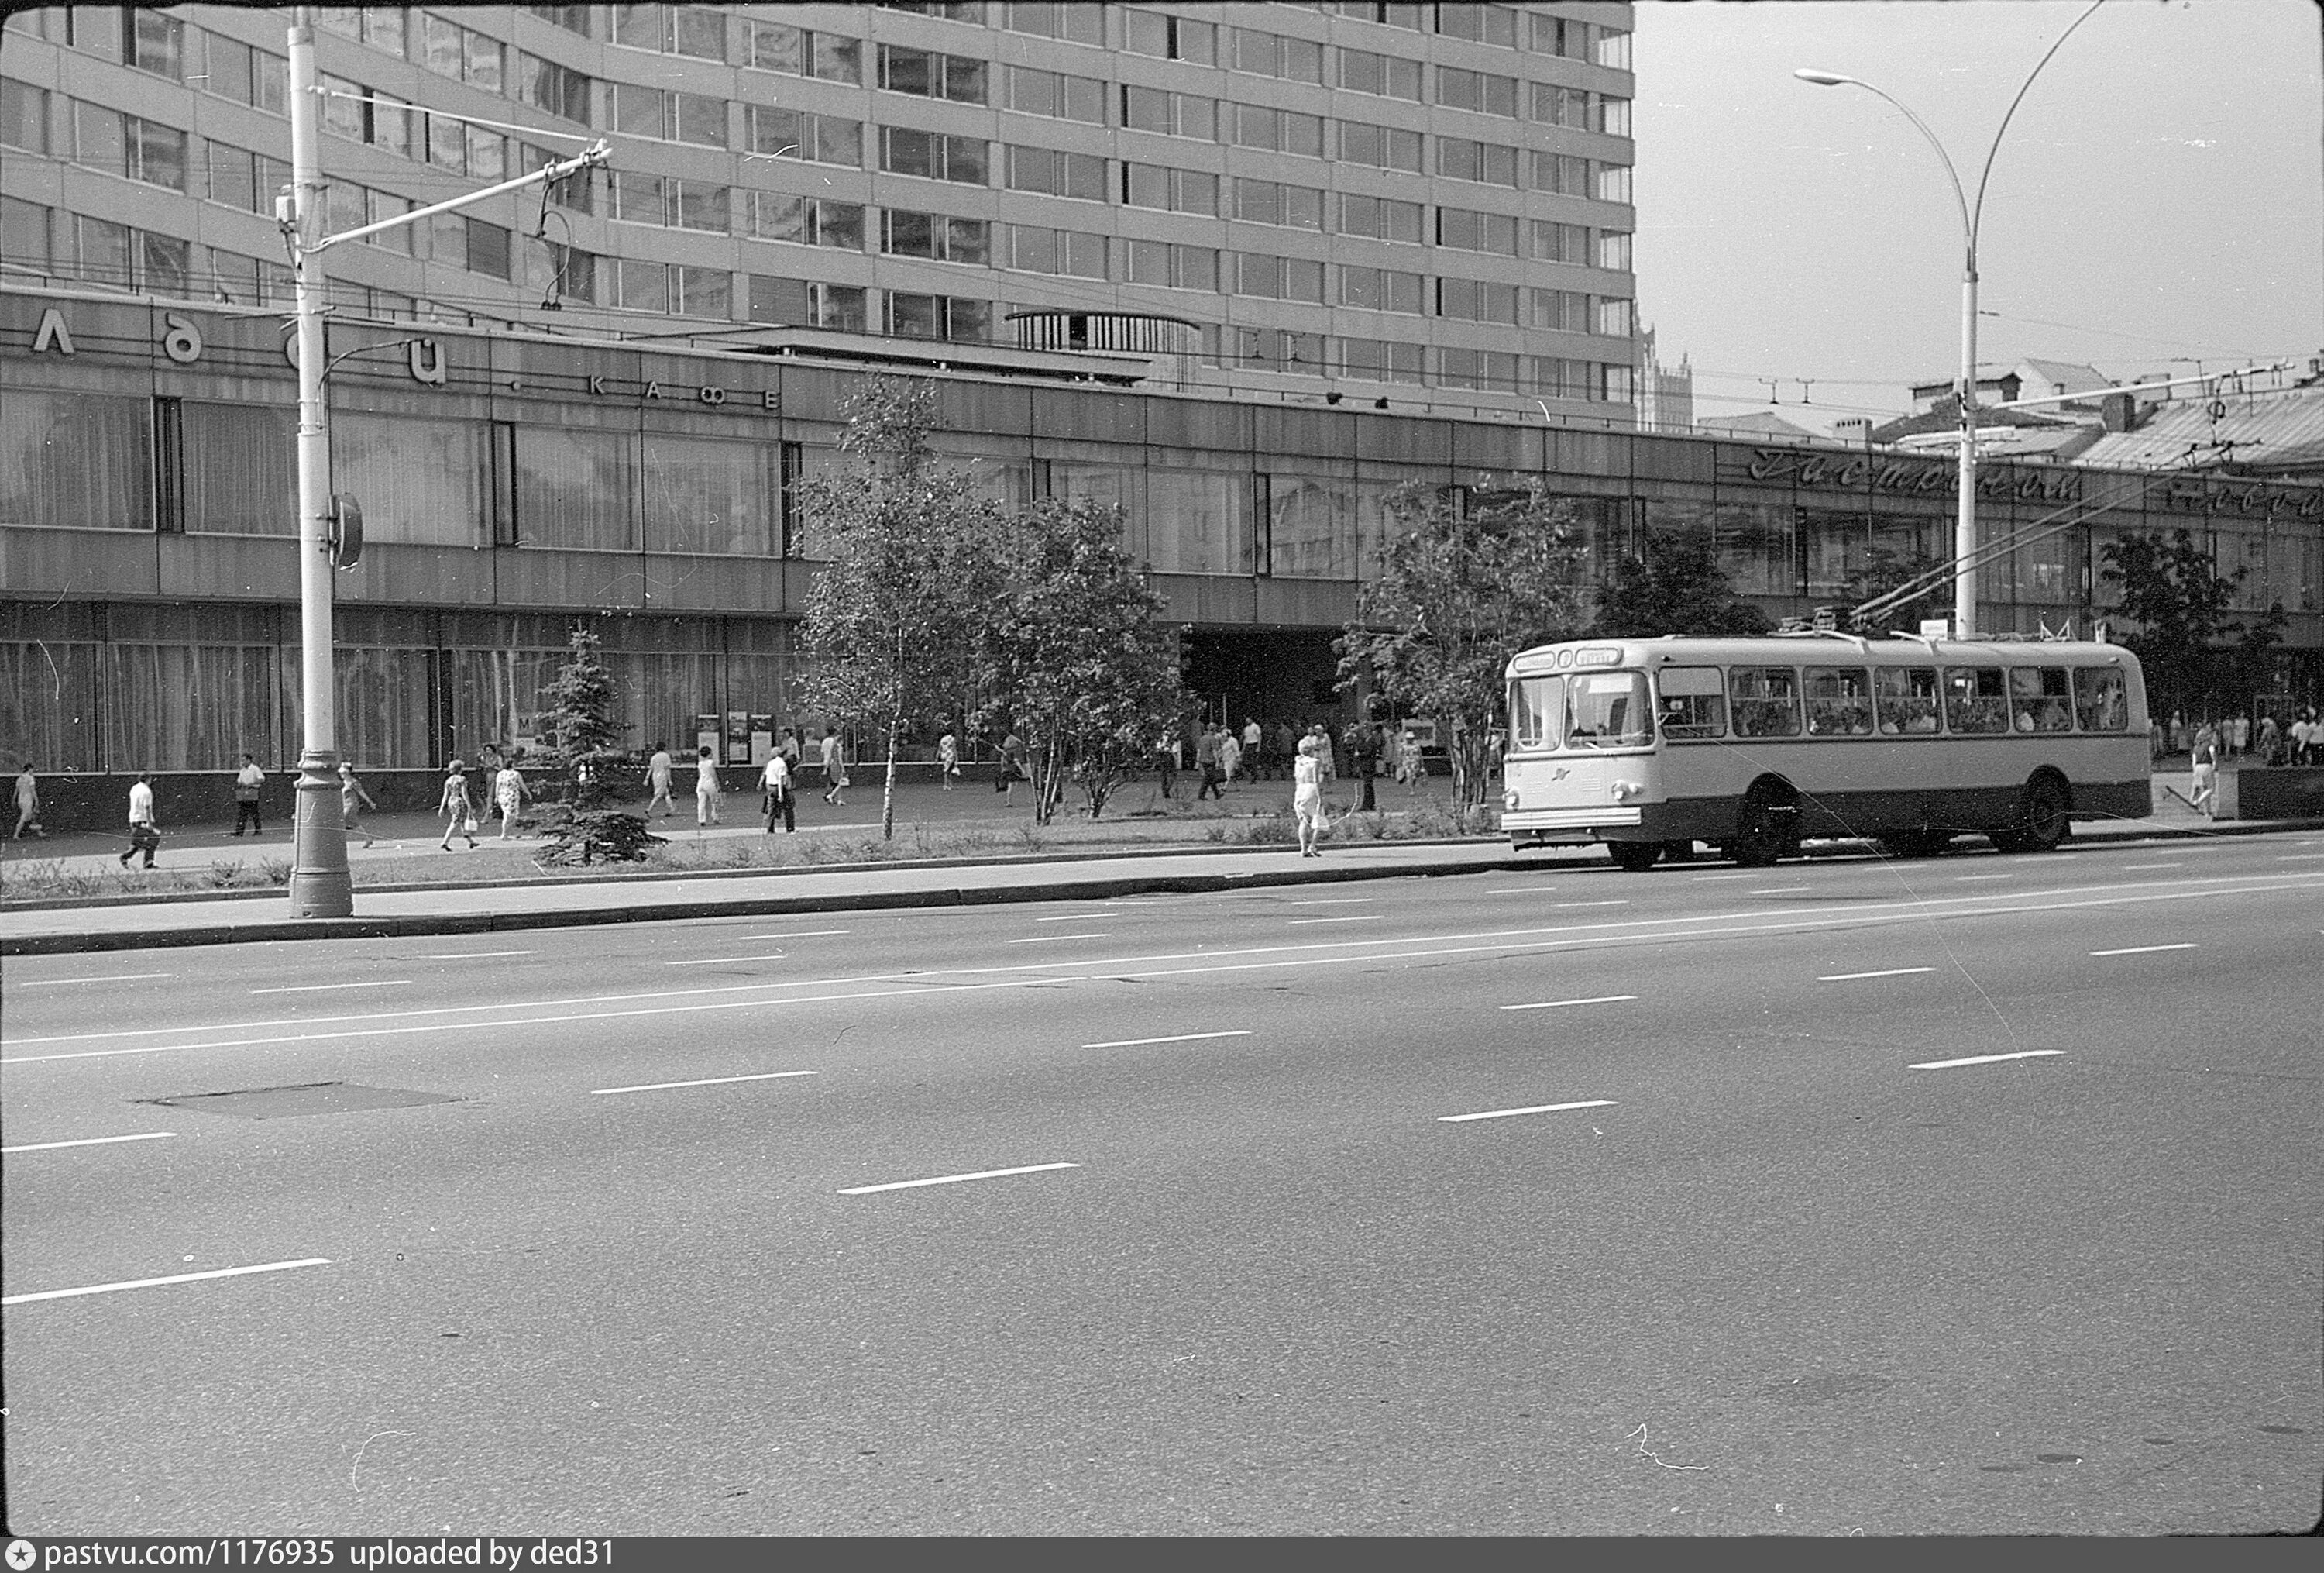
(779, 782)
(2267, 741)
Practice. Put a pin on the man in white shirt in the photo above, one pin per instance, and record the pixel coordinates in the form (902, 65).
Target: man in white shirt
(144, 832)
(775, 789)
(247, 782)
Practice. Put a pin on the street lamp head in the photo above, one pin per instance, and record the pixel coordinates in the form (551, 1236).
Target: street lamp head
(1824, 78)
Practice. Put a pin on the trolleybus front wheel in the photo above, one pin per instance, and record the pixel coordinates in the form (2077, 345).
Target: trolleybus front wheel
(1637, 856)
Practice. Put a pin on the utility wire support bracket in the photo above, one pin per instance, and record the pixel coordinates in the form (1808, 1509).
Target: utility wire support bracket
(596, 153)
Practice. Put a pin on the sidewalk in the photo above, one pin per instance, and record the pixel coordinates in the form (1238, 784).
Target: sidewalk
(228, 918)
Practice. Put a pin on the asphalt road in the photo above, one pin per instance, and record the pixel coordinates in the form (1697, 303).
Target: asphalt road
(1973, 1195)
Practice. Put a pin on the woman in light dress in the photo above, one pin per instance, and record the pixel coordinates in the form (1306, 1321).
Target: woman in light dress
(1307, 797)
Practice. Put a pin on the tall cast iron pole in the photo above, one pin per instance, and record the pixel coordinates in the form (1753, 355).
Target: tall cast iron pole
(319, 884)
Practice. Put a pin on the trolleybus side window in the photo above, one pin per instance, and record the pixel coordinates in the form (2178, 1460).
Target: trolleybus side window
(2039, 700)
(1839, 701)
(1766, 700)
(1535, 704)
(1907, 697)
(2101, 698)
(1977, 700)
(1694, 701)
(1607, 710)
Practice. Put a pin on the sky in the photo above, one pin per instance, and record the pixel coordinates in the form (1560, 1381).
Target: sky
(2158, 195)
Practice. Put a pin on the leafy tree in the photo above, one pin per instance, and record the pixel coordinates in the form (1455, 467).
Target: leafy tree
(1076, 657)
(1457, 593)
(892, 618)
(1673, 586)
(1885, 570)
(585, 749)
(2181, 604)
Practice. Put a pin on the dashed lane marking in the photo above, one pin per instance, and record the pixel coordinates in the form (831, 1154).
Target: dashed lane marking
(2146, 868)
(955, 1178)
(2145, 949)
(1783, 890)
(1355, 918)
(1890, 972)
(323, 987)
(110, 977)
(1706, 878)
(1563, 906)
(1973, 878)
(706, 1081)
(1042, 939)
(1596, 1103)
(795, 934)
(1982, 1058)
(716, 960)
(1175, 1038)
(469, 956)
(88, 1141)
(1334, 901)
(1603, 999)
(173, 1278)
(1077, 917)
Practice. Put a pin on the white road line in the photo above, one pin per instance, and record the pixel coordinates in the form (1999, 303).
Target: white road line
(321, 987)
(1603, 999)
(1891, 972)
(715, 960)
(953, 1179)
(1179, 1038)
(1077, 917)
(1783, 890)
(413, 1022)
(2143, 868)
(1334, 901)
(468, 956)
(1524, 890)
(2144, 949)
(708, 1081)
(1042, 939)
(110, 977)
(2300, 857)
(88, 1142)
(1357, 918)
(1982, 1058)
(1564, 905)
(1704, 878)
(1599, 1103)
(795, 934)
(173, 1278)
(1973, 878)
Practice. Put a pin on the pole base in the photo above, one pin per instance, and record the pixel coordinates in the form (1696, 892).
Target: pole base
(320, 886)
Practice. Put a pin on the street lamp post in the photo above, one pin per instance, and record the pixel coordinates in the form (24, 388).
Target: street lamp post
(1971, 213)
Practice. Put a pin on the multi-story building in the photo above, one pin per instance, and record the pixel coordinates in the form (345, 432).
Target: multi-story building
(1425, 202)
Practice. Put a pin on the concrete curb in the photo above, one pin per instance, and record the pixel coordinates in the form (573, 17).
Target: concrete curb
(431, 923)
(422, 924)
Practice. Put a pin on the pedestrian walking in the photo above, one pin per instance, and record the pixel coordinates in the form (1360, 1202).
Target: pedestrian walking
(1165, 767)
(2240, 740)
(775, 793)
(1012, 764)
(835, 769)
(658, 771)
(459, 809)
(1229, 755)
(2205, 797)
(2268, 738)
(488, 779)
(145, 829)
(1360, 752)
(706, 792)
(1409, 766)
(1254, 747)
(247, 782)
(28, 802)
(947, 759)
(1206, 762)
(1307, 797)
(509, 794)
(353, 802)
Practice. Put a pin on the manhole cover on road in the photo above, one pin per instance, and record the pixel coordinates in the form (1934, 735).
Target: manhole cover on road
(314, 1097)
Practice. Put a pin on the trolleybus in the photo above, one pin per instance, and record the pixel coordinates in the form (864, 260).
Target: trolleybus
(1754, 745)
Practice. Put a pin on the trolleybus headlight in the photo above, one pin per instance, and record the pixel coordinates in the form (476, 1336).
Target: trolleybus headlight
(1619, 790)
(1509, 797)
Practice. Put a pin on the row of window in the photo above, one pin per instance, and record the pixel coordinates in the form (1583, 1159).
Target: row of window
(1893, 701)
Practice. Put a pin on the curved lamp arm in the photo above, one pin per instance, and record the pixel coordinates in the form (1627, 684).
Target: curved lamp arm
(1976, 213)
(1960, 198)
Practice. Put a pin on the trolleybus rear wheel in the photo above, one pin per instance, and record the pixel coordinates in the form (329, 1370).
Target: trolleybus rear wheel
(1765, 832)
(2042, 819)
